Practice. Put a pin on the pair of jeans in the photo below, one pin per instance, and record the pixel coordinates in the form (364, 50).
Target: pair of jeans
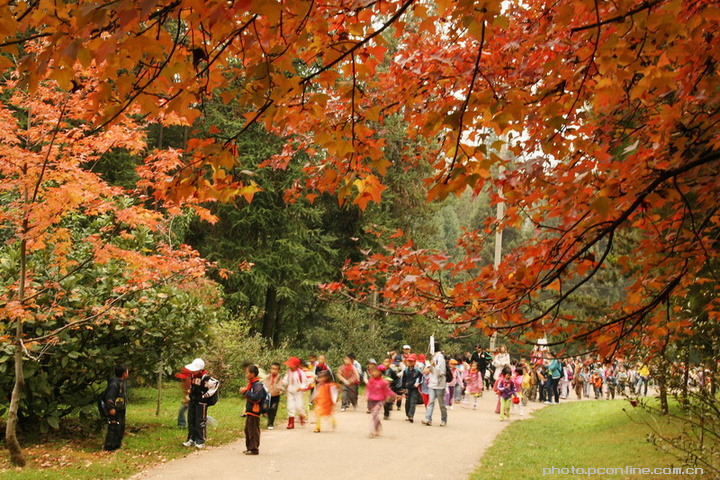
(182, 415)
(552, 389)
(439, 394)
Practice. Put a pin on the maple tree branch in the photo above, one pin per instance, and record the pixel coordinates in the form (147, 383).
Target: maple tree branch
(82, 320)
(104, 310)
(56, 130)
(140, 90)
(557, 302)
(79, 267)
(362, 42)
(639, 314)
(619, 18)
(585, 76)
(465, 104)
(375, 307)
(706, 158)
(24, 39)
(695, 230)
(248, 124)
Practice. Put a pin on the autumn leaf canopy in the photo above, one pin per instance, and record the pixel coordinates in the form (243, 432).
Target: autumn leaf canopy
(594, 122)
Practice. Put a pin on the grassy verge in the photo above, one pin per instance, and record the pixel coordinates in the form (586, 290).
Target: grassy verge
(74, 452)
(593, 434)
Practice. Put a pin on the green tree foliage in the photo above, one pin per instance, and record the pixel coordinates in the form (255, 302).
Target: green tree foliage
(66, 364)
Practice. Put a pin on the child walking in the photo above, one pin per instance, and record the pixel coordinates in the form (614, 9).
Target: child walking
(474, 383)
(295, 383)
(273, 384)
(324, 398)
(378, 391)
(350, 379)
(453, 384)
(518, 380)
(506, 388)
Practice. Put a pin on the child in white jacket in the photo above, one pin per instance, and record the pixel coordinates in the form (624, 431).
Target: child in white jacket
(295, 382)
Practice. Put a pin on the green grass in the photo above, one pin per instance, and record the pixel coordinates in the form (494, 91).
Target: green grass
(74, 452)
(595, 434)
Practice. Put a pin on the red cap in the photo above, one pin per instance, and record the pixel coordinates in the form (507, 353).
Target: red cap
(293, 362)
(411, 358)
(382, 368)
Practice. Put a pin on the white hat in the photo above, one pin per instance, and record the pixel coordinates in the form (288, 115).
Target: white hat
(196, 365)
(406, 346)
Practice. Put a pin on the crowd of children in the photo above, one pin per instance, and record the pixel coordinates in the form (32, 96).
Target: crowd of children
(418, 379)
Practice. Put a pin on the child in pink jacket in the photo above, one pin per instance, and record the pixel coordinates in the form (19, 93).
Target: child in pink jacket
(378, 391)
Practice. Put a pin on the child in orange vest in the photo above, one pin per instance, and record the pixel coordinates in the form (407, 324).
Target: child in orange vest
(324, 398)
(597, 383)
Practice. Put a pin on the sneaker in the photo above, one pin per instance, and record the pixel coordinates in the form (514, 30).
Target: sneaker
(426, 422)
(251, 452)
(189, 443)
(451, 407)
(442, 424)
(410, 420)
(270, 427)
(343, 409)
(546, 402)
(199, 446)
(386, 417)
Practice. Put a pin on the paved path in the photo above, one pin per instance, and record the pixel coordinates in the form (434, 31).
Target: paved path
(404, 450)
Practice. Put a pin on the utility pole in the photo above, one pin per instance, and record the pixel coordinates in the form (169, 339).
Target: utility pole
(499, 232)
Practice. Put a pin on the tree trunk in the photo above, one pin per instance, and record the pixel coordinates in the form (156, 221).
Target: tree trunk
(16, 453)
(160, 137)
(662, 378)
(686, 375)
(662, 384)
(270, 315)
(277, 323)
(161, 368)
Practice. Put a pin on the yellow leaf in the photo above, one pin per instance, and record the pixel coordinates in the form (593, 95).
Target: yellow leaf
(601, 205)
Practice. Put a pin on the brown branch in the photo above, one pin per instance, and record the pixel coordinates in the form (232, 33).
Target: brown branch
(619, 18)
(362, 42)
(464, 107)
(82, 320)
(24, 39)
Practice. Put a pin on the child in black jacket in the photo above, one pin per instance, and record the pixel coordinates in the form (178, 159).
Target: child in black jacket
(254, 395)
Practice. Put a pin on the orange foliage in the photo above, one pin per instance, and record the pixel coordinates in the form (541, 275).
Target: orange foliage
(607, 116)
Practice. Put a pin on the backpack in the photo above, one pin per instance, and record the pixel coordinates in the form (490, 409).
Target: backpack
(448, 372)
(102, 406)
(265, 403)
(212, 399)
